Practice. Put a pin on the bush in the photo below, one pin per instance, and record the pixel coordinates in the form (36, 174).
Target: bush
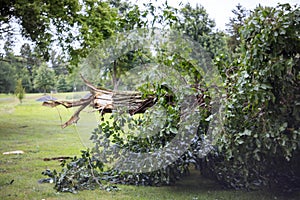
(20, 90)
(260, 142)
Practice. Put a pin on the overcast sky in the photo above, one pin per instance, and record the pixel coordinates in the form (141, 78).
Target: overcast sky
(220, 10)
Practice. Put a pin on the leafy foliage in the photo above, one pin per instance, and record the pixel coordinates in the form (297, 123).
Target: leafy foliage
(260, 144)
(234, 25)
(44, 79)
(77, 25)
(12, 69)
(195, 23)
(63, 84)
(20, 91)
(123, 134)
(82, 173)
(36, 17)
(7, 77)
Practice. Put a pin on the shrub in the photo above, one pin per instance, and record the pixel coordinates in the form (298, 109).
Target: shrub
(20, 90)
(260, 141)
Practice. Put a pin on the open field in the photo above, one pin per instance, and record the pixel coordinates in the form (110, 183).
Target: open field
(35, 130)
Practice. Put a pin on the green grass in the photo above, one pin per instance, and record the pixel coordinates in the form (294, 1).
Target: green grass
(35, 130)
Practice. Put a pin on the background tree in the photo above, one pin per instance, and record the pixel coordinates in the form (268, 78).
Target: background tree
(58, 64)
(63, 85)
(196, 23)
(129, 18)
(28, 60)
(44, 79)
(7, 77)
(27, 54)
(36, 17)
(96, 23)
(20, 90)
(234, 26)
(77, 25)
(8, 69)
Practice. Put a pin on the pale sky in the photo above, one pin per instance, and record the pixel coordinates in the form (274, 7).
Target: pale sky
(220, 10)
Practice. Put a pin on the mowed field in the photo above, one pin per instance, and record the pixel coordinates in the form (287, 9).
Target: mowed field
(36, 130)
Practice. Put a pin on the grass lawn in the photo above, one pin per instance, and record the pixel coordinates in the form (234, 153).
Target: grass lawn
(35, 130)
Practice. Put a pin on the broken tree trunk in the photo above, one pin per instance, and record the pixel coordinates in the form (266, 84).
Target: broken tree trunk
(105, 101)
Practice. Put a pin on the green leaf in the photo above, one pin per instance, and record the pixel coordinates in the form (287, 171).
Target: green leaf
(246, 132)
(174, 130)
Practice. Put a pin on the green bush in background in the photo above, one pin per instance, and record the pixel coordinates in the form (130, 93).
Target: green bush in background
(260, 142)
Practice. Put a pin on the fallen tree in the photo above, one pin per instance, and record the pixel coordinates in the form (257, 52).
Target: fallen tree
(88, 172)
(106, 101)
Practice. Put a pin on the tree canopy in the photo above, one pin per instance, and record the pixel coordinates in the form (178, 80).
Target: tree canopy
(76, 25)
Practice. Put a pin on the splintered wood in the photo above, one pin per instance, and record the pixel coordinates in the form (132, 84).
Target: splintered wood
(105, 101)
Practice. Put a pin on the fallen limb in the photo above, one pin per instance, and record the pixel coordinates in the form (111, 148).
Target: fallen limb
(60, 158)
(105, 101)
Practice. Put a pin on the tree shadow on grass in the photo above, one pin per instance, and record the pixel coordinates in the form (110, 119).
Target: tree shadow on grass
(195, 183)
